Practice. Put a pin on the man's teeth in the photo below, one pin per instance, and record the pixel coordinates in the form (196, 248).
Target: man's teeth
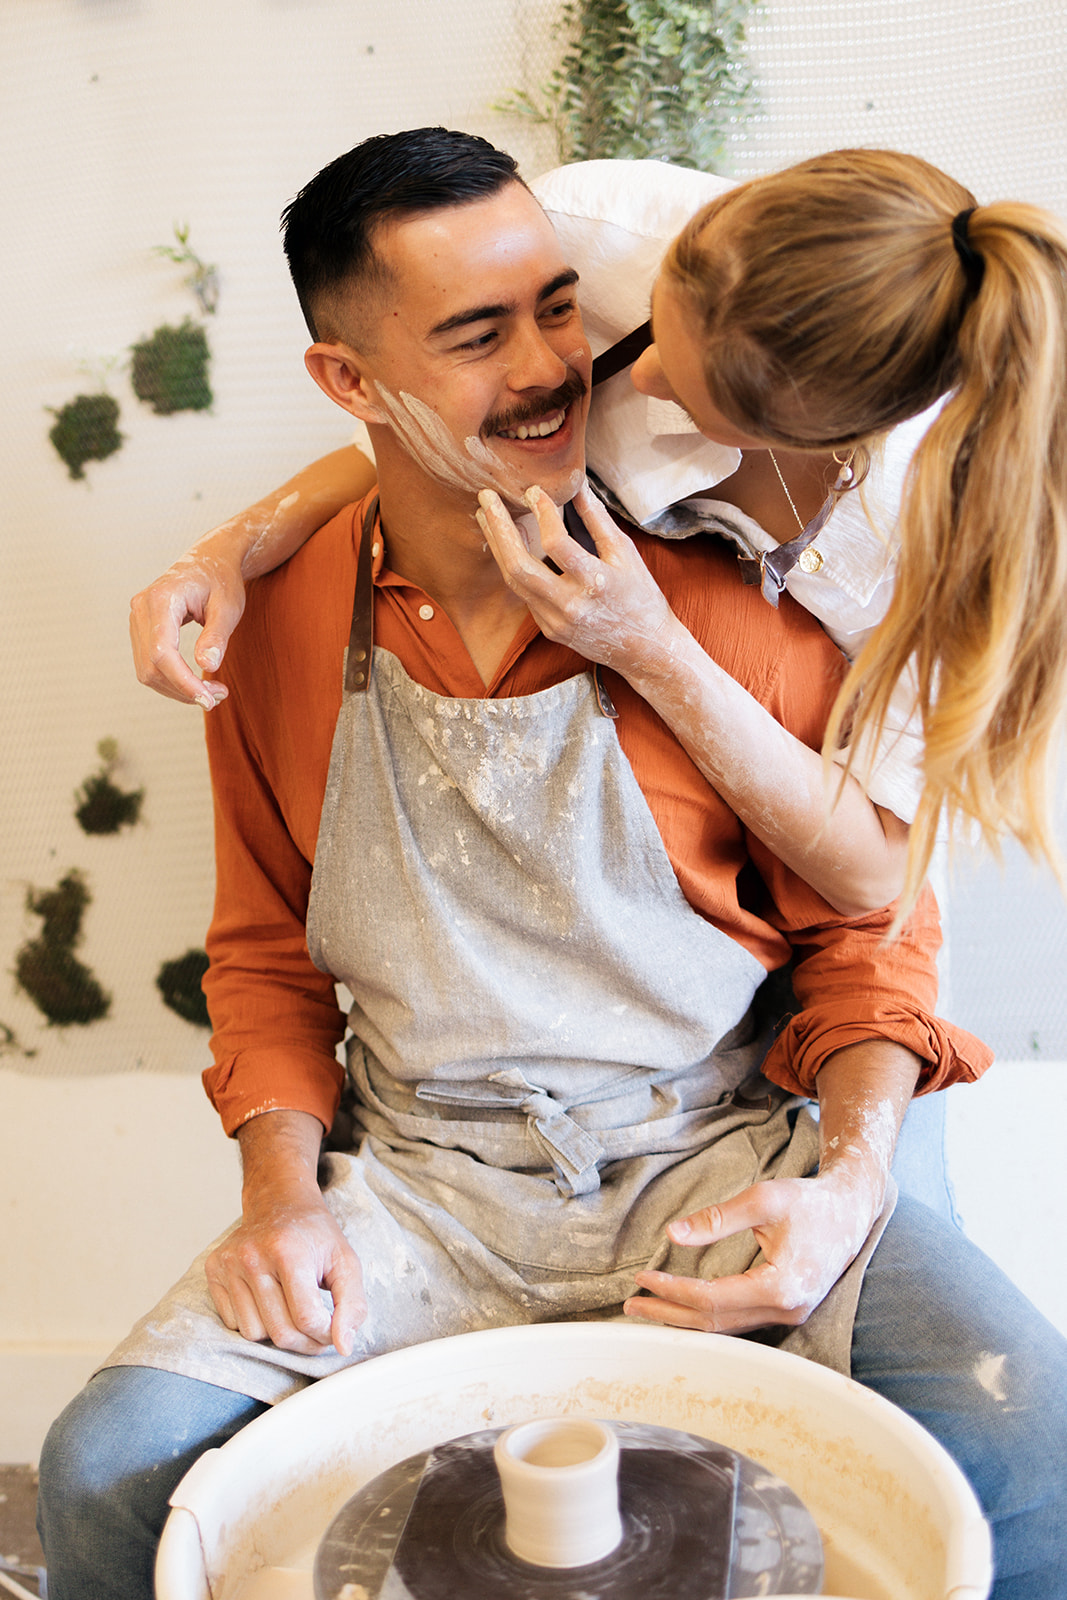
(536, 430)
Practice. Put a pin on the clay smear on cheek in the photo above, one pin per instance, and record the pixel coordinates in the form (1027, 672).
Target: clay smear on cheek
(467, 468)
(429, 441)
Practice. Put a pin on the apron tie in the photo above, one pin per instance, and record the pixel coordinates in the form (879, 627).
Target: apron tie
(572, 1152)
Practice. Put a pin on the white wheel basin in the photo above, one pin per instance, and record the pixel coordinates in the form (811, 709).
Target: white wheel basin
(898, 1519)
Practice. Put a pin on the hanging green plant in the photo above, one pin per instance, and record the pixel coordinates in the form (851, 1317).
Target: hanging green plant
(86, 429)
(664, 80)
(47, 968)
(102, 807)
(203, 280)
(179, 984)
(169, 370)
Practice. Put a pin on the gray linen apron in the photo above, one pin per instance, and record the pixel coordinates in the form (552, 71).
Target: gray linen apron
(552, 1054)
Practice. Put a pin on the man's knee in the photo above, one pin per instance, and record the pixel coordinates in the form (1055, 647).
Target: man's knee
(109, 1465)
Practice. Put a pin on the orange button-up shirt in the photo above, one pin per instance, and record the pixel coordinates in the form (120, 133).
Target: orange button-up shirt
(276, 1018)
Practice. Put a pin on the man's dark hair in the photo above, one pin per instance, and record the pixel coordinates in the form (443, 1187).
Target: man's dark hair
(329, 228)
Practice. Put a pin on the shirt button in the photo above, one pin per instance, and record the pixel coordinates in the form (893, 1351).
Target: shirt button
(426, 612)
(809, 560)
(376, 549)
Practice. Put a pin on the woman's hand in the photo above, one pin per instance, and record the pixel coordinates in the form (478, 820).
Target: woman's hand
(606, 607)
(207, 584)
(204, 586)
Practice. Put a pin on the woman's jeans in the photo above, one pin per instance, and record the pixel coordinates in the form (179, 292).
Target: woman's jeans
(940, 1332)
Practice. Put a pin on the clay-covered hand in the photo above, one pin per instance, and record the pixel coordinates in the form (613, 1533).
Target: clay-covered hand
(266, 1276)
(204, 586)
(606, 607)
(808, 1230)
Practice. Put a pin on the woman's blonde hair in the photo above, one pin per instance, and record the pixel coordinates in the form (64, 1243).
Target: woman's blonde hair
(836, 300)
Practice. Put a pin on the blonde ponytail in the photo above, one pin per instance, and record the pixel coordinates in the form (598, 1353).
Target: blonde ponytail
(980, 602)
(835, 301)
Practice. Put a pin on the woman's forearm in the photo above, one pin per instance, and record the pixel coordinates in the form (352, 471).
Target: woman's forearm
(269, 532)
(609, 609)
(853, 853)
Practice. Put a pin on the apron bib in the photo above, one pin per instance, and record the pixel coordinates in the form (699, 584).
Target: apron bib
(552, 1054)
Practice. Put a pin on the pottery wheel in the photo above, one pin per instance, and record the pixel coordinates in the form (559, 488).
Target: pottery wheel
(700, 1522)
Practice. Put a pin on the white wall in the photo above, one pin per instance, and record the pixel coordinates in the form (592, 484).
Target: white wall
(118, 118)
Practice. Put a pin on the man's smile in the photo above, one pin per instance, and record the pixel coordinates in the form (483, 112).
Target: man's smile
(540, 417)
(535, 430)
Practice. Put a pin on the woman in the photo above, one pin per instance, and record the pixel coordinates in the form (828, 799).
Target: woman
(813, 311)
(801, 318)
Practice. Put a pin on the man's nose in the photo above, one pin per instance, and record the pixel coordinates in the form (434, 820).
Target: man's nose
(533, 363)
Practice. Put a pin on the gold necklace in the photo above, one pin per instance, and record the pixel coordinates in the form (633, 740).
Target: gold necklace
(785, 486)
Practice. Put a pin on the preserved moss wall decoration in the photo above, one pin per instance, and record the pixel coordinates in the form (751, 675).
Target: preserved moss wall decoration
(86, 429)
(179, 984)
(47, 968)
(169, 370)
(102, 807)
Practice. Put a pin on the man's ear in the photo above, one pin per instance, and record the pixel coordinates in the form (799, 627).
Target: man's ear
(338, 371)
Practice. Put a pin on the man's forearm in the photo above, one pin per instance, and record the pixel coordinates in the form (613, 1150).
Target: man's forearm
(279, 1158)
(266, 1277)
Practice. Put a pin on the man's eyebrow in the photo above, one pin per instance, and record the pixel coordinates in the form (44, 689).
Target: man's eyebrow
(489, 313)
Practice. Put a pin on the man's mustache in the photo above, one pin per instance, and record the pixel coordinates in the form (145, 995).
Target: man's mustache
(572, 388)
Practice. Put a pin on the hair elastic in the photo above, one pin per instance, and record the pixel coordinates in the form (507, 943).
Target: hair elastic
(972, 261)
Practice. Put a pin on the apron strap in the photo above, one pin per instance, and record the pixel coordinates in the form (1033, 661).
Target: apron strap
(361, 633)
(623, 354)
(771, 568)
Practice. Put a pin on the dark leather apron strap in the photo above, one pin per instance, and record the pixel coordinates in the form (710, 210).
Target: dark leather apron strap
(772, 567)
(361, 633)
(622, 354)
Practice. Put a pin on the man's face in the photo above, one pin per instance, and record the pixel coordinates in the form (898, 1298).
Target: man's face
(479, 364)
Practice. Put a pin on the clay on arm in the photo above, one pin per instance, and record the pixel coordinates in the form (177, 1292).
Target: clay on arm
(609, 609)
(206, 585)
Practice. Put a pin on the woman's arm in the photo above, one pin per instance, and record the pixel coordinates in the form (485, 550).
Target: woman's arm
(206, 584)
(608, 608)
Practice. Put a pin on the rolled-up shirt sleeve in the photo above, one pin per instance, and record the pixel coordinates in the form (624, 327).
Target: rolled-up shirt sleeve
(851, 984)
(276, 1018)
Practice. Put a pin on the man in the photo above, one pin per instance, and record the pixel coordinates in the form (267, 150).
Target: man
(553, 930)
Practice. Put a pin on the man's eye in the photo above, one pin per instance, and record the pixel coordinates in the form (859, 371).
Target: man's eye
(481, 342)
(561, 310)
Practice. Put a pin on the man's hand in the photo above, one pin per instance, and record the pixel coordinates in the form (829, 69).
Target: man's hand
(266, 1277)
(808, 1229)
(204, 586)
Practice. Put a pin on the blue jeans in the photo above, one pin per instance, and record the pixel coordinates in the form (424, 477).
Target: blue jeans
(935, 1318)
